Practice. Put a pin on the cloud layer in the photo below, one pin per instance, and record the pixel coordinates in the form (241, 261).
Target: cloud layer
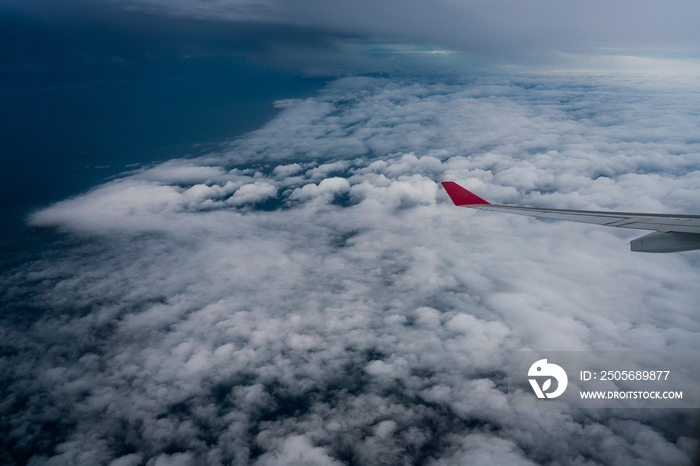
(335, 38)
(506, 28)
(309, 295)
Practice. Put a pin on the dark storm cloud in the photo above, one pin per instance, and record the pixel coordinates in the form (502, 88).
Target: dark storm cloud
(512, 28)
(310, 296)
(501, 31)
(107, 42)
(505, 28)
(92, 43)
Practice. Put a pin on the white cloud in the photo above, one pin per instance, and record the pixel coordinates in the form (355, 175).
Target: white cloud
(297, 451)
(364, 319)
(132, 459)
(181, 173)
(287, 170)
(252, 193)
(326, 188)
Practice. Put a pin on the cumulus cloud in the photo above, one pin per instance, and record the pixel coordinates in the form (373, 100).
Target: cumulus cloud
(310, 295)
(327, 187)
(253, 193)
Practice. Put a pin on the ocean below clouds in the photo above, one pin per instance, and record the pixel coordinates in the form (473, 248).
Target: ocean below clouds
(308, 295)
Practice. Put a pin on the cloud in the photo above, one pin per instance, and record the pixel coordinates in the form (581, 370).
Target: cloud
(297, 450)
(285, 103)
(327, 187)
(506, 29)
(309, 295)
(253, 193)
(336, 38)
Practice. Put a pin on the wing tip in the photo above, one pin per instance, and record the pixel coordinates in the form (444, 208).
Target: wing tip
(461, 196)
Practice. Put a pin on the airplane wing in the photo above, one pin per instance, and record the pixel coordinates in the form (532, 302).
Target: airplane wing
(673, 233)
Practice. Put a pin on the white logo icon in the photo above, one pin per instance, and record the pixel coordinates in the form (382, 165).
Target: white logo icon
(542, 369)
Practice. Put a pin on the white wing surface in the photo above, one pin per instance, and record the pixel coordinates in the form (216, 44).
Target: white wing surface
(674, 233)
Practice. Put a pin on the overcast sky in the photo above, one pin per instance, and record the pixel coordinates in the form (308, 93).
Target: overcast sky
(505, 26)
(306, 294)
(546, 32)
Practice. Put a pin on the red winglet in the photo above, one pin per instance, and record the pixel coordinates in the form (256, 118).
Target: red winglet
(461, 196)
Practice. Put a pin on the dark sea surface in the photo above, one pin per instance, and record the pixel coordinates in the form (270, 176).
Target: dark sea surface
(82, 103)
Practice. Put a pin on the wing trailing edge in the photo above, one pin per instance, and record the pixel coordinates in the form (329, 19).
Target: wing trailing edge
(674, 233)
